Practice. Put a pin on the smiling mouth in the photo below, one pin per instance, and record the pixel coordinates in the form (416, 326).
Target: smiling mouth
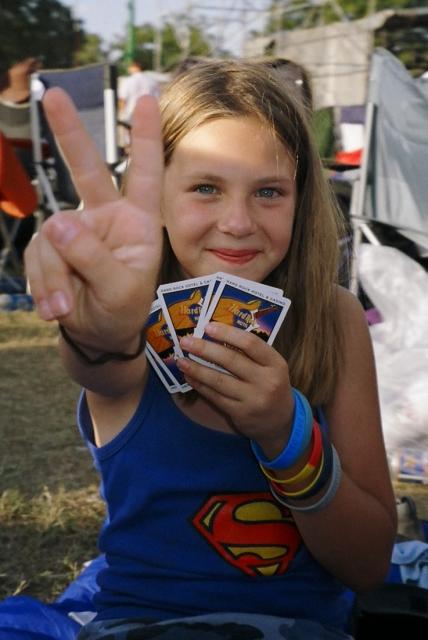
(236, 257)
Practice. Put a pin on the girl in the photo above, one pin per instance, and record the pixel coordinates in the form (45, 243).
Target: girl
(235, 507)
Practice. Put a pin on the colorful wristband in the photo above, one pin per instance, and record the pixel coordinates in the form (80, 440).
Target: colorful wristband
(301, 432)
(311, 465)
(322, 478)
(302, 493)
(326, 498)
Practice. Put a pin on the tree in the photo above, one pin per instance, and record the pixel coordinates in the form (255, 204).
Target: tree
(90, 50)
(174, 46)
(409, 43)
(38, 28)
(296, 14)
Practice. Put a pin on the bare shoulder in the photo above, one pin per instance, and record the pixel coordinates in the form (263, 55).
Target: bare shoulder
(356, 390)
(349, 307)
(354, 411)
(352, 322)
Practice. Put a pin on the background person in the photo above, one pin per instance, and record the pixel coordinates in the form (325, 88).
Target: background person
(138, 83)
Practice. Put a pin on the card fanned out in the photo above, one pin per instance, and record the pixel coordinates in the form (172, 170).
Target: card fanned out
(186, 307)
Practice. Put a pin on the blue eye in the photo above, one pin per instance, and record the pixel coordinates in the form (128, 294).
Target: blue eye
(207, 189)
(267, 192)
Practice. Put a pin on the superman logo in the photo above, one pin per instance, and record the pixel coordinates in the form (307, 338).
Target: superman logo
(250, 531)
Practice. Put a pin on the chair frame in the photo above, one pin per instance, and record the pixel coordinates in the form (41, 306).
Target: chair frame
(44, 167)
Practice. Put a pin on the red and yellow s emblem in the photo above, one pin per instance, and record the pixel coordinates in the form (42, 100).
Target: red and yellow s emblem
(250, 531)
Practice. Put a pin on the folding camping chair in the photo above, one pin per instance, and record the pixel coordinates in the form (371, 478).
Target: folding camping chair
(18, 196)
(15, 120)
(93, 91)
(392, 187)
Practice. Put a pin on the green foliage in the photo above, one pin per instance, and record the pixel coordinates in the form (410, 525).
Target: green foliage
(409, 44)
(37, 28)
(145, 38)
(173, 46)
(281, 17)
(90, 50)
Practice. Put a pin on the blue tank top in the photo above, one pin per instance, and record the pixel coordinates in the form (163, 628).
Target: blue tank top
(192, 527)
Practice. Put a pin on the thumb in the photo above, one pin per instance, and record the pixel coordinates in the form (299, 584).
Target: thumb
(87, 255)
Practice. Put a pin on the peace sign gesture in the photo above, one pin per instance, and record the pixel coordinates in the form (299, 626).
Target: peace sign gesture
(95, 270)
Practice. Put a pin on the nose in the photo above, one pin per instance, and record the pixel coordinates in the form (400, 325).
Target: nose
(237, 219)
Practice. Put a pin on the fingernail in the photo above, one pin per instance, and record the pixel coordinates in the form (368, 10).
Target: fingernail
(59, 303)
(44, 310)
(211, 328)
(186, 341)
(63, 229)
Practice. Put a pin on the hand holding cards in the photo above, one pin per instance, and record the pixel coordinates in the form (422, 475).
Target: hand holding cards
(186, 307)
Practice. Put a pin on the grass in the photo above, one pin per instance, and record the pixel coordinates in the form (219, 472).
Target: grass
(50, 512)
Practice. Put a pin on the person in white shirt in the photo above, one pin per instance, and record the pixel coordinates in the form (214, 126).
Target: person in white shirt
(131, 87)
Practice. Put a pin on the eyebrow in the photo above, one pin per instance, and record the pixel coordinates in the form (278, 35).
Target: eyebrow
(211, 177)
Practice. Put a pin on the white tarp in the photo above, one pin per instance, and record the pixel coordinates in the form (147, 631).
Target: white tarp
(398, 156)
(398, 288)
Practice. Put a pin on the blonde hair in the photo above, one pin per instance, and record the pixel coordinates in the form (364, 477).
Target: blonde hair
(309, 338)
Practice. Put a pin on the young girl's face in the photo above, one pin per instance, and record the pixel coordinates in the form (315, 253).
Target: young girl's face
(229, 199)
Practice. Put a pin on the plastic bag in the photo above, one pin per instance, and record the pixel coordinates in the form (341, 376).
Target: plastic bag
(398, 288)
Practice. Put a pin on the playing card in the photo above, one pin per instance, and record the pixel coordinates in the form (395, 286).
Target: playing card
(163, 348)
(218, 278)
(163, 374)
(248, 305)
(182, 304)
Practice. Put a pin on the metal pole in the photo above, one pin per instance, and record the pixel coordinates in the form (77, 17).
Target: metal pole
(158, 40)
(359, 195)
(130, 48)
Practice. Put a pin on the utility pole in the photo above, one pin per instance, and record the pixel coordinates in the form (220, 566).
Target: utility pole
(130, 45)
(158, 39)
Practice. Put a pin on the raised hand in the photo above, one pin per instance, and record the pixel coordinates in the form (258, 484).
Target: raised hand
(95, 270)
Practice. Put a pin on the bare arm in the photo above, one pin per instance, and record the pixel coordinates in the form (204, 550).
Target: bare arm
(354, 535)
(95, 270)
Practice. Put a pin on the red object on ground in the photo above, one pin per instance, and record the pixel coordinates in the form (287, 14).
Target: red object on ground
(18, 197)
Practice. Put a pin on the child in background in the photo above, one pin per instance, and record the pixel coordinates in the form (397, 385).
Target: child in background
(250, 507)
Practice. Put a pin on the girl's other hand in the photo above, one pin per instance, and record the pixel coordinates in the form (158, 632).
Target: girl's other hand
(257, 396)
(95, 270)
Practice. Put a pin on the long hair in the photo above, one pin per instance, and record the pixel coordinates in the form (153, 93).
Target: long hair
(309, 339)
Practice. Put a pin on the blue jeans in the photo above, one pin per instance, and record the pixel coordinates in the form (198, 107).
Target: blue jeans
(219, 626)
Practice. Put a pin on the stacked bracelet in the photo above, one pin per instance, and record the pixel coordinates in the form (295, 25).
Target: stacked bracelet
(300, 436)
(305, 492)
(107, 356)
(312, 464)
(319, 480)
(326, 498)
(316, 482)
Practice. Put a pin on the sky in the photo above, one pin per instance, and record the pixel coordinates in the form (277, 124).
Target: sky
(108, 18)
